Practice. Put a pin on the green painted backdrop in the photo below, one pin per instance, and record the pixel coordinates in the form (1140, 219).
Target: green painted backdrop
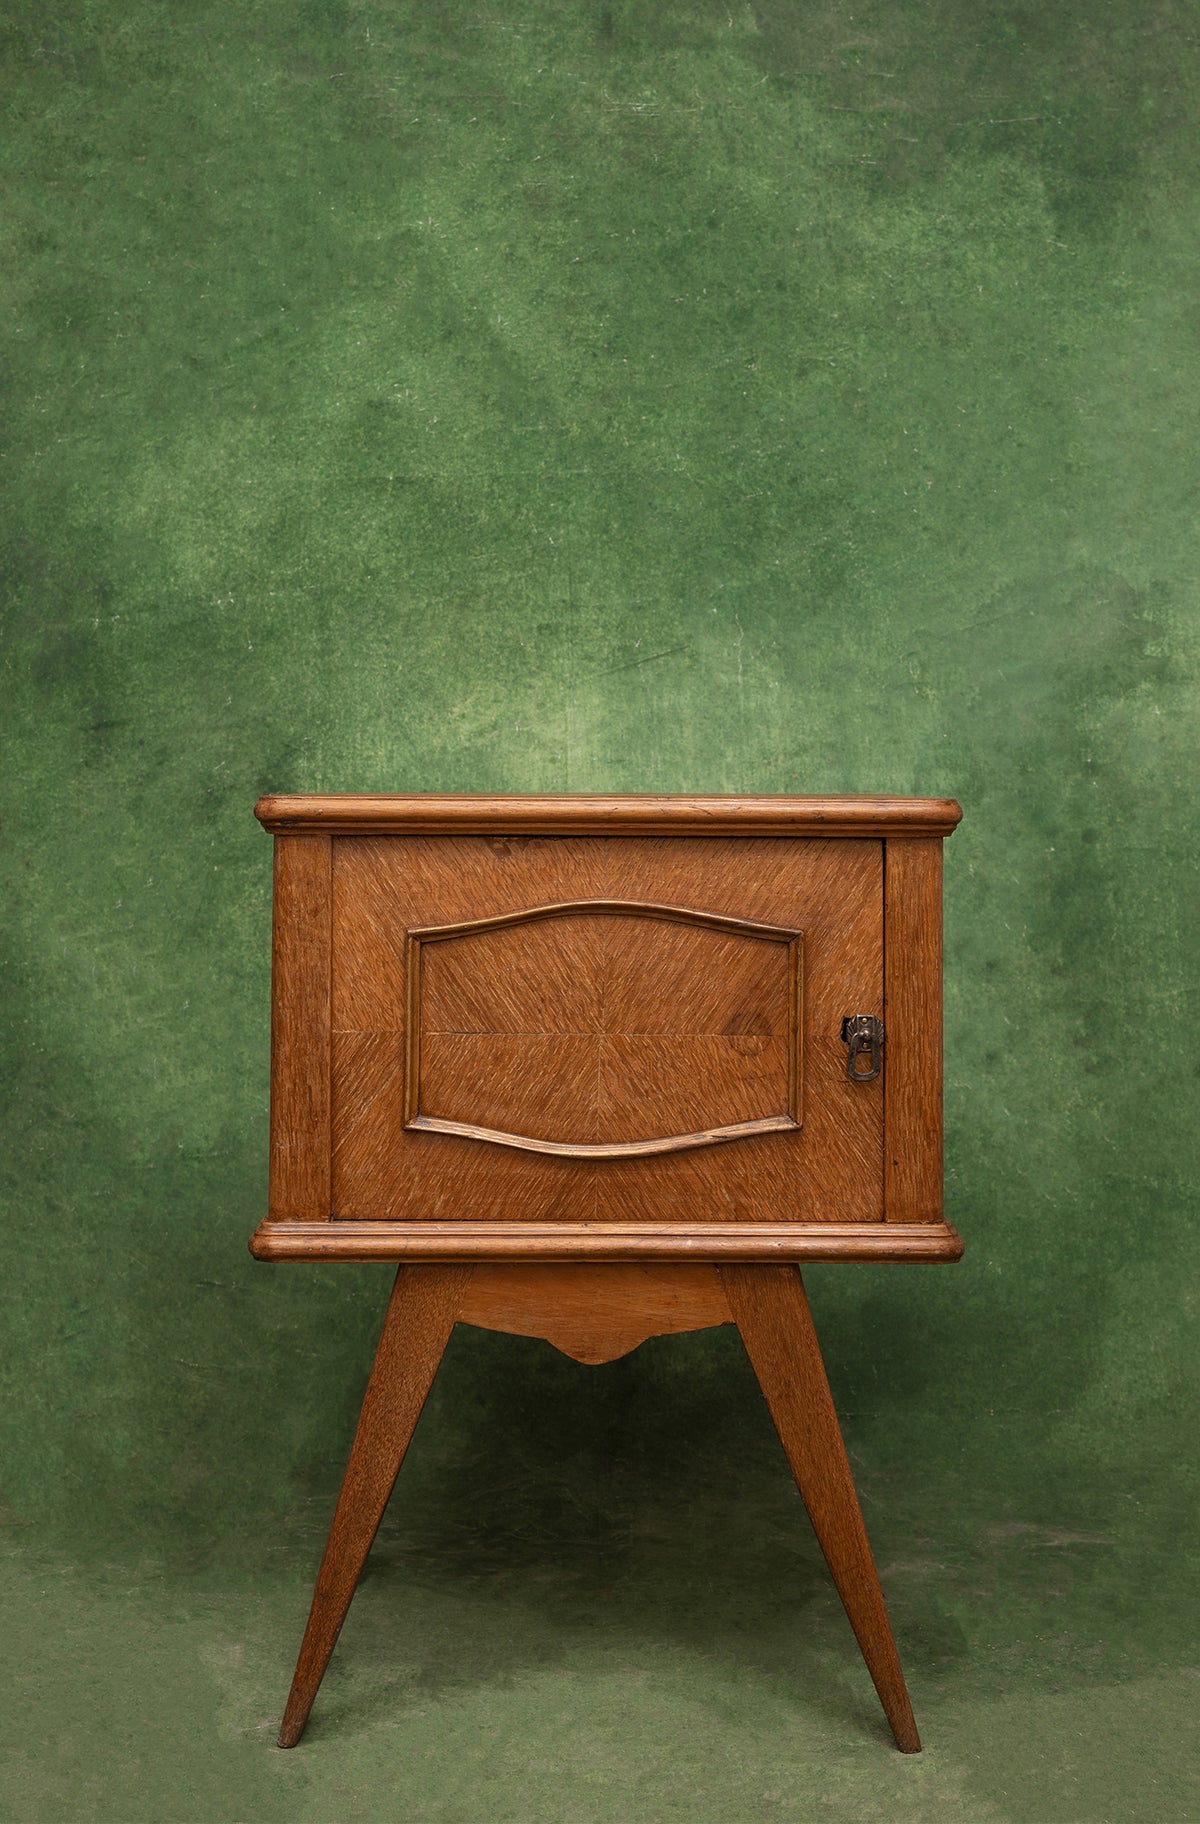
(687, 397)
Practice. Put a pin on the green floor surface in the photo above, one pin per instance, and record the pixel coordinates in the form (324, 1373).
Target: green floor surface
(591, 1621)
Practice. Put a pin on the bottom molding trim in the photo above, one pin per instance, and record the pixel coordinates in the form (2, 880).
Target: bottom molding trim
(279, 1239)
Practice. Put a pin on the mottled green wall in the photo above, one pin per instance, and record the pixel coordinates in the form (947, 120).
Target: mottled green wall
(681, 397)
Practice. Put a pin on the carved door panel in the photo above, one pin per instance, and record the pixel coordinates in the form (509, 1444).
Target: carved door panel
(604, 1028)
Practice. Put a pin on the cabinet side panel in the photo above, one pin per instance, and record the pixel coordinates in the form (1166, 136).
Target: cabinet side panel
(913, 1019)
(300, 989)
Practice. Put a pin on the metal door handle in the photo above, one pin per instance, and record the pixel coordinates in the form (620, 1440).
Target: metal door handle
(863, 1036)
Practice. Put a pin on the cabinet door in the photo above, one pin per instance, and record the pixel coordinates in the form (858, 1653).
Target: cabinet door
(602, 1029)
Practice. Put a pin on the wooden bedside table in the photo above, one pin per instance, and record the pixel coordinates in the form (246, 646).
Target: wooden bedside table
(597, 1069)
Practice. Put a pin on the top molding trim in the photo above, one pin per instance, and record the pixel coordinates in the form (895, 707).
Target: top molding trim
(562, 814)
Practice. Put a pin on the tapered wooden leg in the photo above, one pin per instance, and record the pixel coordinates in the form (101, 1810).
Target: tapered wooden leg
(420, 1316)
(770, 1309)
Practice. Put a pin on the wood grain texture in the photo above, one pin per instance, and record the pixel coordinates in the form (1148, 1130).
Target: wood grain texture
(832, 1169)
(913, 1020)
(603, 1029)
(676, 1083)
(420, 1317)
(567, 1241)
(542, 974)
(562, 814)
(532, 1084)
(387, 887)
(300, 1030)
(595, 1312)
(770, 1308)
(401, 883)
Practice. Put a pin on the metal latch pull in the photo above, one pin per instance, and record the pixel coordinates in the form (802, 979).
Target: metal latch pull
(863, 1034)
